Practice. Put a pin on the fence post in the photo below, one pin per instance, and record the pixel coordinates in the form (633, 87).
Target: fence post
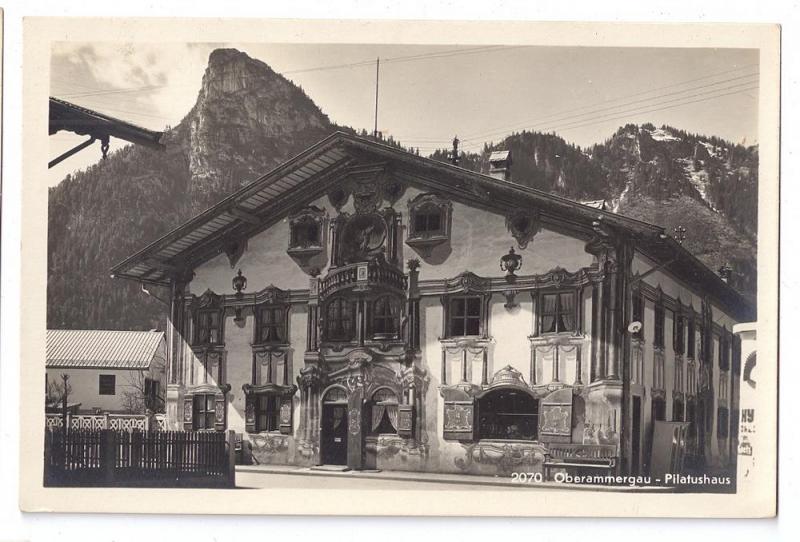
(108, 454)
(231, 449)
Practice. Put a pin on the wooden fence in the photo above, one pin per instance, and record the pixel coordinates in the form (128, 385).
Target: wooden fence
(139, 459)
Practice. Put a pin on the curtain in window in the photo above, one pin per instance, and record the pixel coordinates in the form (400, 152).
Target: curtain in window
(377, 415)
(548, 313)
(391, 412)
(567, 311)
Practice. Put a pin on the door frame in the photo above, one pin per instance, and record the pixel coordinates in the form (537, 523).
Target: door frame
(322, 430)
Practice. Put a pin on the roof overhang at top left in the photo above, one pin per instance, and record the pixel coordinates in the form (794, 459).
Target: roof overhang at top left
(99, 127)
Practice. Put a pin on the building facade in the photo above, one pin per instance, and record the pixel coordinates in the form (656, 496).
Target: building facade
(363, 306)
(107, 371)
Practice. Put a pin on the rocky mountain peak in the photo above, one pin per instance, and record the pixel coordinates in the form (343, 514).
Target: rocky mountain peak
(247, 120)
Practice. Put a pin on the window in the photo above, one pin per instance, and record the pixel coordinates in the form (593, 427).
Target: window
(677, 411)
(678, 335)
(508, 414)
(690, 345)
(724, 352)
(271, 326)
(659, 410)
(151, 390)
(386, 317)
(722, 422)
(340, 320)
(465, 316)
(558, 313)
(658, 334)
(384, 412)
(209, 327)
(428, 221)
(638, 313)
(203, 414)
(267, 409)
(429, 216)
(108, 385)
(305, 233)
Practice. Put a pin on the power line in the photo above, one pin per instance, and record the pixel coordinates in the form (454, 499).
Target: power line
(626, 104)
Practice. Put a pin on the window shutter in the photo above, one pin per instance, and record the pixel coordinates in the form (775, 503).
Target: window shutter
(405, 421)
(250, 413)
(459, 420)
(555, 417)
(285, 419)
(188, 408)
(219, 412)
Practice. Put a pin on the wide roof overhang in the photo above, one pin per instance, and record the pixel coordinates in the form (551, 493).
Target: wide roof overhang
(314, 172)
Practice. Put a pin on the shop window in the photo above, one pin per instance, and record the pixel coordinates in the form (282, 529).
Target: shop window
(557, 313)
(464, 316)
(108, 384)
(267, 412)
(385, 317)
(208, 329)
(271, 325)
(384, 412)
(203, 411)
(508, 414)
(340, 320)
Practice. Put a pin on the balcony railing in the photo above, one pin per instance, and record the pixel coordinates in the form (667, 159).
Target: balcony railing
(363, 276)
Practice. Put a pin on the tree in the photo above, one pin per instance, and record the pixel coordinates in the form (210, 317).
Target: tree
(141, 393)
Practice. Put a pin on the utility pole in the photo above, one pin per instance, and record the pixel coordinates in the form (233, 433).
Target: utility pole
(377, 78)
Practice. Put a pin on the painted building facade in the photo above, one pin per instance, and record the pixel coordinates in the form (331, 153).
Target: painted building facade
(363, 306)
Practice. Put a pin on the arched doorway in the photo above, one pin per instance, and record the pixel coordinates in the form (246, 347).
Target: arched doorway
(333, 430)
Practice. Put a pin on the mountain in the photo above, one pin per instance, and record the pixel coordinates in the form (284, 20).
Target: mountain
(664, 176)
(247, 119)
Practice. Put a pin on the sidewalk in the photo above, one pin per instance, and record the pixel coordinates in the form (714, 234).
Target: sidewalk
(430, 477)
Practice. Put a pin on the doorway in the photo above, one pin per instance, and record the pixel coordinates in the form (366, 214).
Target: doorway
(333, 434)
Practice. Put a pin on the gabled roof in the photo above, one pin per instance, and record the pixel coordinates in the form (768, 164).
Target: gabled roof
(313, 173)
(102, 349)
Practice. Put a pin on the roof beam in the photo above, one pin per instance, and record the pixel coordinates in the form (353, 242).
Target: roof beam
(163, 266)
(244, 215)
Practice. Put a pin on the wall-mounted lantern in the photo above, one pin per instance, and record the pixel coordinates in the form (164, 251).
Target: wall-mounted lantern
(510, 263)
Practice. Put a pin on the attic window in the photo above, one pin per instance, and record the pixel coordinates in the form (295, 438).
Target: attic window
(429, 223)
(306, 232)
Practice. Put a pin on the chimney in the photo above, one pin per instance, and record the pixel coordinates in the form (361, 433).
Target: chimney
(500, 165)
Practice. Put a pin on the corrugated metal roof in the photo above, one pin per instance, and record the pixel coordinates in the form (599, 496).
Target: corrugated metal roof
(101, 349)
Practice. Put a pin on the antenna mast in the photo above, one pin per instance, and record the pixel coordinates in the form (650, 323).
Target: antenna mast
(377, 77)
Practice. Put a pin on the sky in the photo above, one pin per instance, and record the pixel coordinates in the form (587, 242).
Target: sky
(429, 94)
